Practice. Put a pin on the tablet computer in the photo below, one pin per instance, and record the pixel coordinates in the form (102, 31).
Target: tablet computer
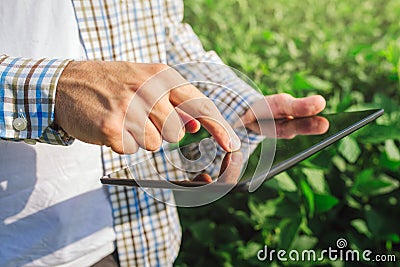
(198, 163)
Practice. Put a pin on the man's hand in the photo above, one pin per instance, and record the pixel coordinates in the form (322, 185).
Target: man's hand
(130, 105)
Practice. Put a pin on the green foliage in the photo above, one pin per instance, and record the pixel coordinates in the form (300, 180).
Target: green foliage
(348, 51)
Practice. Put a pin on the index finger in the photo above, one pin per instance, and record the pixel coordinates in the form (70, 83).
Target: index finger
(192, 101)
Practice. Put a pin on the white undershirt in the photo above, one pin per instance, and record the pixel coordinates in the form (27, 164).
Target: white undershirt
(53, 209)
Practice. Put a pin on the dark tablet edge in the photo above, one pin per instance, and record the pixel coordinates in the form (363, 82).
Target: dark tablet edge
(172, 185)
(288, 163)
(243, 186)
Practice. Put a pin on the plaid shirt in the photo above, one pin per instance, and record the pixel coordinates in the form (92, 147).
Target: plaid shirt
(149, 31)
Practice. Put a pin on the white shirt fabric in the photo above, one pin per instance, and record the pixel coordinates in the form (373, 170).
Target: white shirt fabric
(54, 210)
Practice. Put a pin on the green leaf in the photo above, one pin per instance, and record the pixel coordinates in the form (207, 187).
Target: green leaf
(261, 213)
(339, 163)
(385, 102)
(384, 161)
(324, 202)
(288, 230)
(316, 180)
(282, 182)
(391, 185)
(300, 82)
(345, 103)
(279, 207)
(227, 263)
(367, 184)
(226, 258)
(394, 237)
(262, 210)
(250, 250)
(268, 35)
(364, 176)
(293, 51)
(375, 134)
(309, 195)
(310, 82)
(392, 151)
(304, 242)
(392, 53)
(318, 83)
(349, 149)
(361, 227)
(351, 202)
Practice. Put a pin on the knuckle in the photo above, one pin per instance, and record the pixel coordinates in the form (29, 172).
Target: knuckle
(207, 108)
(281, 97)
(220, 130)
(308, 109)
(111, 128)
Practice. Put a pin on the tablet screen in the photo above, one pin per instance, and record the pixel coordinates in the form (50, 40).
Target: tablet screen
(268, 148)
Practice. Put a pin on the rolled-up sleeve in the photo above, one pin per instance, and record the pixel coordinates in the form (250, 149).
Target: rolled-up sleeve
(27, 100)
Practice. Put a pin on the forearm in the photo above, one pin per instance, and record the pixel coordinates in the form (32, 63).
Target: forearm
(27, 99)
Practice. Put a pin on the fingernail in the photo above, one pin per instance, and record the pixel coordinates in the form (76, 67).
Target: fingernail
(235, 143)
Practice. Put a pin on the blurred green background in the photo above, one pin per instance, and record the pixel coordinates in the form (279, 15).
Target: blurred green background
(348, 51)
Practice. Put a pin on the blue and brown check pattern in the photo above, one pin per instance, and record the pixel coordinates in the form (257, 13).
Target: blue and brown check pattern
(28, 89)
(148, 31)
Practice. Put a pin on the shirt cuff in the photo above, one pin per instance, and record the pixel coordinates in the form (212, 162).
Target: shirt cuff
(27, 100)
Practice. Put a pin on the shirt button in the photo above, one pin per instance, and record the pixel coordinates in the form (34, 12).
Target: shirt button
(19, 124)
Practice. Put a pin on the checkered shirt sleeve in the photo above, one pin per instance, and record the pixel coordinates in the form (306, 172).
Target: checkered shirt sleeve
(27, 91)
